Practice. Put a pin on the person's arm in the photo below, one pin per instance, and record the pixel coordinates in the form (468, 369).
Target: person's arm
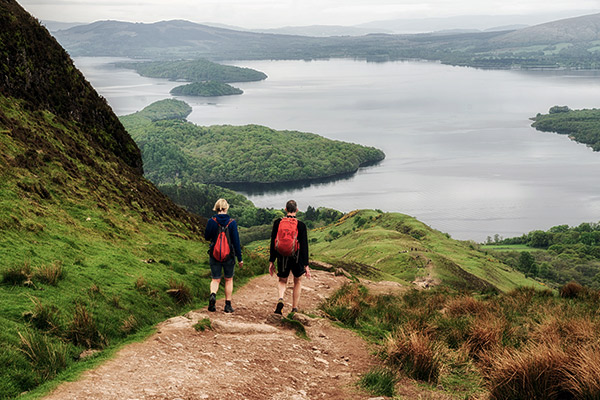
(235, 238)
(209, 231)
(303, 241)
(272, 252)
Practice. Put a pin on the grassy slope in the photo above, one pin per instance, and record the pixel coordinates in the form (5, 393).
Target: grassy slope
(397, 247)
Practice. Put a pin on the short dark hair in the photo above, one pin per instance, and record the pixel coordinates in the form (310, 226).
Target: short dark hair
(291, 206)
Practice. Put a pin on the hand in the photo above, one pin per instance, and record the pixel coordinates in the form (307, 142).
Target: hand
(241, 264)
(271, 268)
(308, 274)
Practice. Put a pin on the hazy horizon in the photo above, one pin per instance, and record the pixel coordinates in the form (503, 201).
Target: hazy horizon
(267, 14)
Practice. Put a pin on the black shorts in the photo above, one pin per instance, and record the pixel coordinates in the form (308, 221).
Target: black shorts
(216, 267)
(287, 264)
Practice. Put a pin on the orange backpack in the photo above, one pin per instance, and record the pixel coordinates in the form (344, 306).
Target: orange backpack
(286, 241)
(222, 250)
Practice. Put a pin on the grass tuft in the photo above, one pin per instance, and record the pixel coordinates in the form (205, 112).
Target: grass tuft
(416, 354)
(49, 274)
(203, 325)
(379, 381)
(83, 330)
(47, 355)
(180, 292)
(43, 317)
(17, 275)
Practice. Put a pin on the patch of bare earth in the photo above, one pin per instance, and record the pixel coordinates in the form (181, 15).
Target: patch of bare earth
(247, 354)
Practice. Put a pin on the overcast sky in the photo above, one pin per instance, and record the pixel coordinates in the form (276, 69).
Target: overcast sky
(278, 13)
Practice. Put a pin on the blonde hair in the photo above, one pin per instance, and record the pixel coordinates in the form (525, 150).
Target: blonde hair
(221, 205)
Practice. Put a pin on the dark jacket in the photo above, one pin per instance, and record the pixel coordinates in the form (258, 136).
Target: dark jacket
(302, 241)
(212, 231)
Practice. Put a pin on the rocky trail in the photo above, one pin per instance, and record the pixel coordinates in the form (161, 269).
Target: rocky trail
(246, 355)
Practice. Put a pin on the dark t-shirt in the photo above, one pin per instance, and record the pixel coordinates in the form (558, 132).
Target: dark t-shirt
(302, 241)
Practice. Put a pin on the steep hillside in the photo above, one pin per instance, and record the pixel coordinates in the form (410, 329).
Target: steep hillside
(90, 251)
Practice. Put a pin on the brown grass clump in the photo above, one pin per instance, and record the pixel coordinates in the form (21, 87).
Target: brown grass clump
(416, 354)
(535, 372)
(180, 292)
(571, 290)
(583, 376)
(17, 275)
(485, 335)
(465, 305)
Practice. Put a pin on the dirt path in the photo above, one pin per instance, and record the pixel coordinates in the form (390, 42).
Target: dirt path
(247, 355)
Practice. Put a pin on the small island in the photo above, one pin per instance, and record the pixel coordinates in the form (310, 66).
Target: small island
(582, 126)
(178, 152)
(194, 71)
(206, 89)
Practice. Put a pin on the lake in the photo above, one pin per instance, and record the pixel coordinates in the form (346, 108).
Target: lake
(460, 153)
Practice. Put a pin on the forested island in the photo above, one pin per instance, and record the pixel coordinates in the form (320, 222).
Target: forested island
(582, 126)
(206, 89)
(176, 151)
(195, 71)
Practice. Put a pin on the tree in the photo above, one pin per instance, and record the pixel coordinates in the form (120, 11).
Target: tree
(526, 262)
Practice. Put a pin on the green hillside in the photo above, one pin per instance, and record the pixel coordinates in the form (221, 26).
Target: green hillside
(90, 251)
(178, 152)
(392, 246)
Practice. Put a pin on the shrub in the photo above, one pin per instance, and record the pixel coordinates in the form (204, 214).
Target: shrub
(179, 292)
(49, 274)
(83, 331)
(416, 354)
(47, 355)
(571, 290)
(379, 382)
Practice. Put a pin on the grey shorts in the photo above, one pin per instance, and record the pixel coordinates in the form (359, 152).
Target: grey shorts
(217, 268)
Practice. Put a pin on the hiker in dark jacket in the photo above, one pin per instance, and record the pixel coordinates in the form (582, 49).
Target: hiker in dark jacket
(297, 264)
(227, 266)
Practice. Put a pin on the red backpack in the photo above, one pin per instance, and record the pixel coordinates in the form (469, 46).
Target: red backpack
(286, 241)
(222, 250)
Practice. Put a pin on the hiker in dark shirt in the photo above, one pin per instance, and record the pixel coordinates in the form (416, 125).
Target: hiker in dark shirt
(227, 266)
(296, 263)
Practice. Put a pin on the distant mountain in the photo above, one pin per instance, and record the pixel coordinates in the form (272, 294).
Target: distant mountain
(54, 26)
(571, 30)
(489, 49)
(323, 30)
(468, 22)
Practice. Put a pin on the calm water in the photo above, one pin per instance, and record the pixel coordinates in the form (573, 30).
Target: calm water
(461, 155)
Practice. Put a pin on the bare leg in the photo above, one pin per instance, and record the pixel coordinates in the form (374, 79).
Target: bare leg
(282, 286)
(297, 290)
(228, 288)
(214, 285)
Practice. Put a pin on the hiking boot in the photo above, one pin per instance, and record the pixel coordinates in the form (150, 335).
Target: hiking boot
(279, 307)
(228, 308)
(211, 302)
(294, 309)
